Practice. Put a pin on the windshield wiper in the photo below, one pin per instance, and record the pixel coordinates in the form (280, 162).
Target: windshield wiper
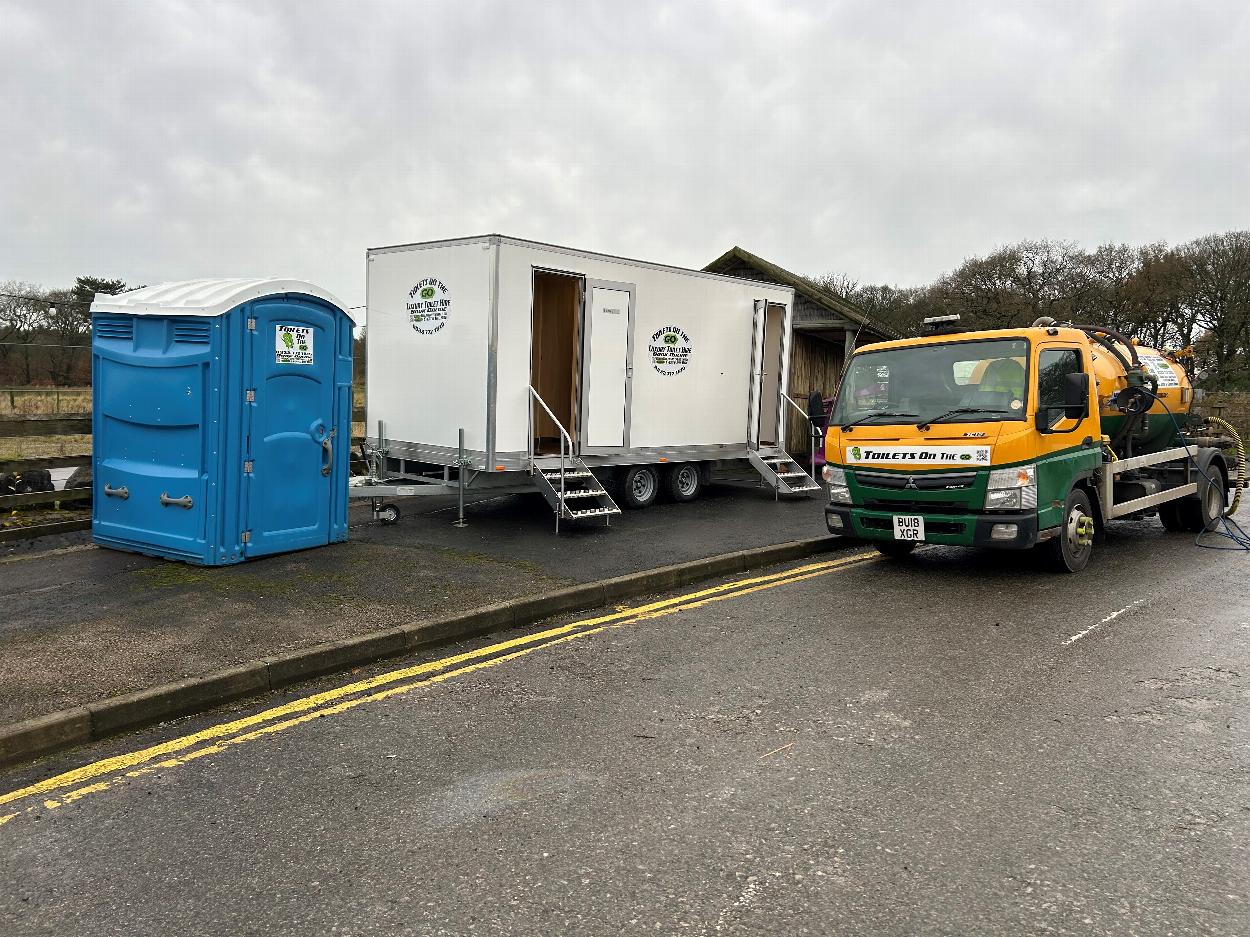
(876, 414)
(925, 424)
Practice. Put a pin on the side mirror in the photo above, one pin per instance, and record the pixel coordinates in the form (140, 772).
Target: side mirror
(1076, 396)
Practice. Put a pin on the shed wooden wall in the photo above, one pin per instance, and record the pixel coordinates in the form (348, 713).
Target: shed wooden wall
(815, 364)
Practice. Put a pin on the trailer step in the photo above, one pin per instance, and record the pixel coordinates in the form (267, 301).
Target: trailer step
(593, 512)
(782, 473)
(585, 489)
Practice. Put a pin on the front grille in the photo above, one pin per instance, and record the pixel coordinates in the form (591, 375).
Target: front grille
(904, 506)
(930, 527)
(941, 481)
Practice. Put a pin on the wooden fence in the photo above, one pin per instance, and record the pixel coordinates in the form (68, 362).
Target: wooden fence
(54, 424)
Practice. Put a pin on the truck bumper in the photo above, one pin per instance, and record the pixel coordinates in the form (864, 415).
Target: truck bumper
(964, 530)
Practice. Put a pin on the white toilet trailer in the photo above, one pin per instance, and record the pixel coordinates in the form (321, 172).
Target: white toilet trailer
(573, 368)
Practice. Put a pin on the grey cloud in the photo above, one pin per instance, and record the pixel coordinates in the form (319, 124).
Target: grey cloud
(155, 140)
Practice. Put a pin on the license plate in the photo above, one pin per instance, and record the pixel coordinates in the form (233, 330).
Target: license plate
(908, 527)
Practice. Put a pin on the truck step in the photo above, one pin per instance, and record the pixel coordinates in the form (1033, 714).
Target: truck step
(555, 476)
(583, 493)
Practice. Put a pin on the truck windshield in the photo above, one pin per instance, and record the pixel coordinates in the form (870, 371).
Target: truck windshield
(966, 382)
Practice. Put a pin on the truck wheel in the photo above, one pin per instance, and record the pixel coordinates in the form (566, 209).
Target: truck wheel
(895, 549)
(1069, 550)
(1170, 516)
(1204, 511)
(640, 487)
(684, 482)
(388, 514)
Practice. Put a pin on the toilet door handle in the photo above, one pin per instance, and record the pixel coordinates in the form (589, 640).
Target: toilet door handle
(183, 502)
(327, 452)
(123, 492)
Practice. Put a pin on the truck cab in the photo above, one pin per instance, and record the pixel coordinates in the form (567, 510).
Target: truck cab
(993, 439)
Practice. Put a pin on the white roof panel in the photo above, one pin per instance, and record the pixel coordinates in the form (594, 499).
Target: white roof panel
(213, 297)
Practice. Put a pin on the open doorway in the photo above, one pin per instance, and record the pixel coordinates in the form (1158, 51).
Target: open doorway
(770, 375)
(554, 355)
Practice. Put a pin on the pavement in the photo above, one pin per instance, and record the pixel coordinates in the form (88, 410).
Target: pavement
(79, 624)
(953, 744)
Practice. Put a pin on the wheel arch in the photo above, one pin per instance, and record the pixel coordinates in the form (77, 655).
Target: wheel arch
(1085, 481)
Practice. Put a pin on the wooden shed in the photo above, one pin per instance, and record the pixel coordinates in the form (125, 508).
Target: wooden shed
(827, 328)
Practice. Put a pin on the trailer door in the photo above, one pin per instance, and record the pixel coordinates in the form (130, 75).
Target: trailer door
(767, 361)
(607, 338)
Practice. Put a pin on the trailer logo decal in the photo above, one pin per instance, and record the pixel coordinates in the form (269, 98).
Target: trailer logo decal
(926, 455)
(429, 304)
(670, 349)
(293, 344)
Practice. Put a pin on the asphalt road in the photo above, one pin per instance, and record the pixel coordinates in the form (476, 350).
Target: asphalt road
(957, 744)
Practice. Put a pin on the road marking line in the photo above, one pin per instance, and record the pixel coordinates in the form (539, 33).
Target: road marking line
(775, 750)
(1112, 617)
(312, 707)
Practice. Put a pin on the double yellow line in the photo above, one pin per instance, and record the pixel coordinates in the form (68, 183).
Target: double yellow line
(120, 769)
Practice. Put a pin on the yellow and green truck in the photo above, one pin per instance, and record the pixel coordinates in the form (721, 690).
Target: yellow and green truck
(1021, 438)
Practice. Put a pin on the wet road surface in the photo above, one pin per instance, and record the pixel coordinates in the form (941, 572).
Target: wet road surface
(955, 744)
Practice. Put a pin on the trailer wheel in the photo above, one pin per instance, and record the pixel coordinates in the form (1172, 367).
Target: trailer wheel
(640, 487)
(895, 549)
(388, 514)
(1069, 551)
(684, 482)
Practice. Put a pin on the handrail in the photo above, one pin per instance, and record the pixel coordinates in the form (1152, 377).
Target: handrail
(815, 433)
(564, 438)
(554, 419)
(790, 400)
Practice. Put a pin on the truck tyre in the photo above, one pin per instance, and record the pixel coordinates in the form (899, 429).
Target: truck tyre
(895, 549)
(1204, 511)
(1070, 549)
(683, 482)
(640, 487)
(1170, 516)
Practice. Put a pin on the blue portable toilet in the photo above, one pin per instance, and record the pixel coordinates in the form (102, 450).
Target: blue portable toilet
(222, 419)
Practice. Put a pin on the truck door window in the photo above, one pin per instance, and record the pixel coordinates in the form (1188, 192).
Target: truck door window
(1053, 367)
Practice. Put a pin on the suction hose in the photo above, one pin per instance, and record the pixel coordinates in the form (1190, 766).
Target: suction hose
(1241, 461)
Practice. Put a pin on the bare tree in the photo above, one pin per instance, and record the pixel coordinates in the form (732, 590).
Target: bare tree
(1218, 279)
(23, 310)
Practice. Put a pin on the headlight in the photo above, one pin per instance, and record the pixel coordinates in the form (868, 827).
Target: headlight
(839, 491)
(1012, 489)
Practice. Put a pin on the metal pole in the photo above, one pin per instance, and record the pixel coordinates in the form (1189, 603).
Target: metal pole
(460, 461)
(815, 440)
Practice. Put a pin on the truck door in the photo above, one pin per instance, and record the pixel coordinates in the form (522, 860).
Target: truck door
(290, 426)
(607, 371)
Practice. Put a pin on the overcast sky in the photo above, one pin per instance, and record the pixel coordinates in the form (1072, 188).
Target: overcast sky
(889, 140)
